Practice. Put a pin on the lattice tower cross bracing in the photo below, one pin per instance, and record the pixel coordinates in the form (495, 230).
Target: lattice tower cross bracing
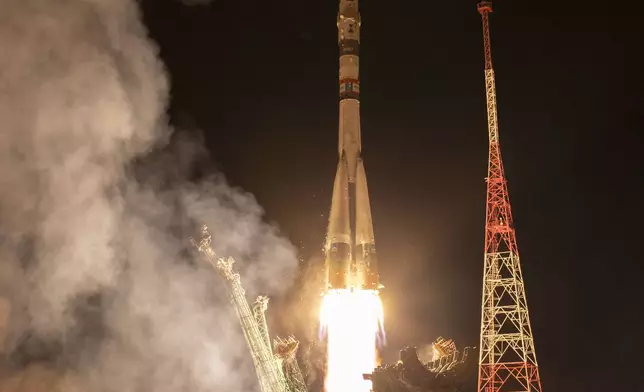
(276, 372)
(269, 374)
(507, 359)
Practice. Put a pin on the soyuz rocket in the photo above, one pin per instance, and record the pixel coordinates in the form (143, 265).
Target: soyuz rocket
(350, 251)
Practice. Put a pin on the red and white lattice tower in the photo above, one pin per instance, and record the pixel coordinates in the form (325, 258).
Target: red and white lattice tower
(507, 360)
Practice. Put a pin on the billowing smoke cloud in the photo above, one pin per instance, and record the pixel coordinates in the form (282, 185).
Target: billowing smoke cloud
(98, 288)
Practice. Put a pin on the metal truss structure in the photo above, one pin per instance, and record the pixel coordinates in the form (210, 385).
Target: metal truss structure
(448, 373)
(507, 359)
(270, 372)
(267, 370)
(446, 356)
(259, 311)
(442, 347)
(286, 350)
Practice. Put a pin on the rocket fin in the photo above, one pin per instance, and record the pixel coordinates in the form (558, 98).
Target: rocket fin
(365, 242)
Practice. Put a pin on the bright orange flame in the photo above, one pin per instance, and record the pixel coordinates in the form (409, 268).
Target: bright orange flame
(352, 320)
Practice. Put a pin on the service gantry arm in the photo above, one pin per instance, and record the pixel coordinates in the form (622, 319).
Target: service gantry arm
(286, 351)
(259, 311)
(268, 371)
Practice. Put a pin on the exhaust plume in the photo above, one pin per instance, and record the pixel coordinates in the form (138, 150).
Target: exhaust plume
(98, 288)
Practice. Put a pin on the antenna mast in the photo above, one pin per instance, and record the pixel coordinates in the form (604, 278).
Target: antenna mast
(507, 359)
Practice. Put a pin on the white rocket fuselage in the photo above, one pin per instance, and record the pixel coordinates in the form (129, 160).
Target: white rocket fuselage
(350, 251)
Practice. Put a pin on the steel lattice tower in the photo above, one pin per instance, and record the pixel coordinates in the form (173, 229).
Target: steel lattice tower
(507, 359)
(253, 325)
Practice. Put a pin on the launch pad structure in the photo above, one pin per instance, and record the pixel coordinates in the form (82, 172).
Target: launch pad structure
(448, 371)
(279, 371)
(276, 371)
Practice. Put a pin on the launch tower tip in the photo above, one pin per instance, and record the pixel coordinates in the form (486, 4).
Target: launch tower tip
(484, 6)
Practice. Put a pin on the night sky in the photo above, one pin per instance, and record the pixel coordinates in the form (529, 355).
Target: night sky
(259, 79)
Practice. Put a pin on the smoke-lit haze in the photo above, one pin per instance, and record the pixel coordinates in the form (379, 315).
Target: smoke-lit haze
(97, 292)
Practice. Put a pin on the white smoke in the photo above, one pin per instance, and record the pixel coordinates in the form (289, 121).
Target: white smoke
(97, 291)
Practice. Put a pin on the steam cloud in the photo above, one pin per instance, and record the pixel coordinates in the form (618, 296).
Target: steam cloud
(97, 290)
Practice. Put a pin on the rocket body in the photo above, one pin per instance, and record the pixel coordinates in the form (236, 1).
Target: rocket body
(350, 252)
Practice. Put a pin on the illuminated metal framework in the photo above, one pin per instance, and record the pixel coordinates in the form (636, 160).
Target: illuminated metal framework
(259, 311)
(448, 373)
(446, 356)
(271, 375)
(442, 347)
(507, 359)
(286, 350)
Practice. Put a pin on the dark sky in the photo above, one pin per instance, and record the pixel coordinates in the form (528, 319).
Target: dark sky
(260, 79)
